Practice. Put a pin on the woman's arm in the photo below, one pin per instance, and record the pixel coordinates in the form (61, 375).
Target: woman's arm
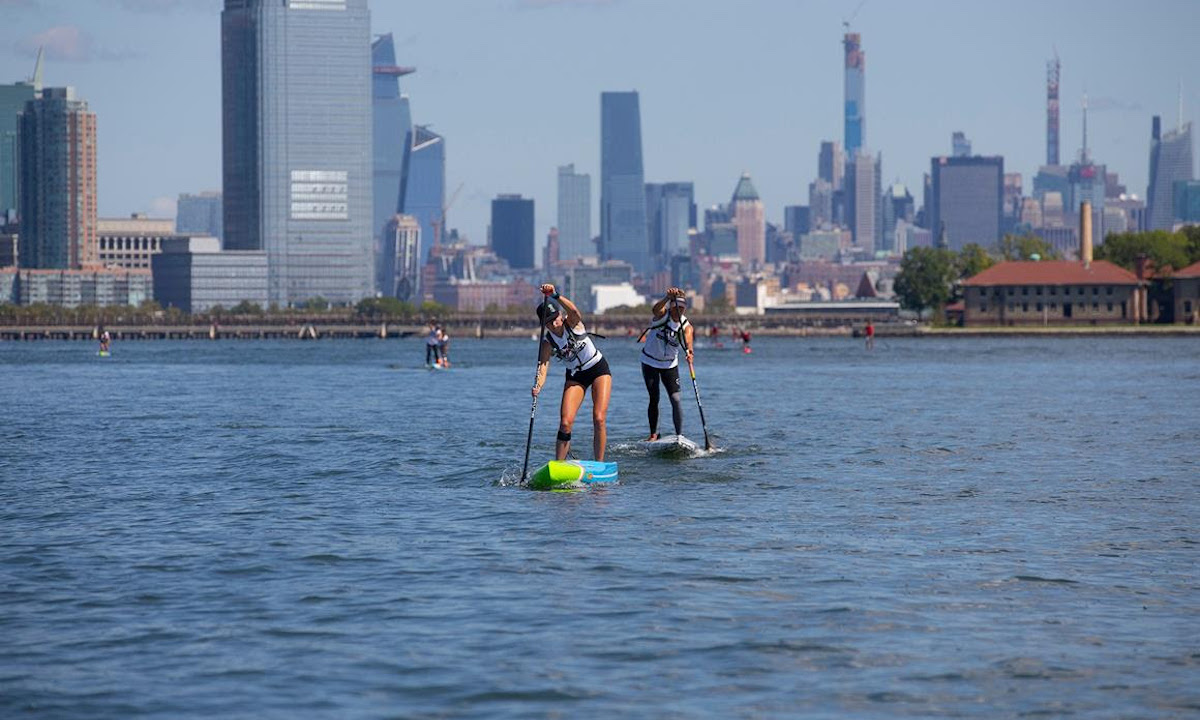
(571, 312)
(542, 367)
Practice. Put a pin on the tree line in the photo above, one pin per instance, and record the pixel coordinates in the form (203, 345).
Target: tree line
(931, 278)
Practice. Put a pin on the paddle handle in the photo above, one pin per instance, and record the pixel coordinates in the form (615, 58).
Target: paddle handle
(529, 438)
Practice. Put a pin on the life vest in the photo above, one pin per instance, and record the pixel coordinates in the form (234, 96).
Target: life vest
(664, 337)
(575, 348)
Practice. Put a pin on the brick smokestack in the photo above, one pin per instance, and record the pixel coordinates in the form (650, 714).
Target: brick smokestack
(1085, 233)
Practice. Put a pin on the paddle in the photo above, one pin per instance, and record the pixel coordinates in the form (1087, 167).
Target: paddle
(533, 408)
(696, 388)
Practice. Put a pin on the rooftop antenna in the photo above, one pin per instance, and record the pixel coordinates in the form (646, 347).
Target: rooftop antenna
(1180, 125)
(1084, 152)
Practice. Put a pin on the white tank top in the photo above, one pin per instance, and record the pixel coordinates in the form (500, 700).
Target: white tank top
(579, 353)
(432, 338)
(663, 342)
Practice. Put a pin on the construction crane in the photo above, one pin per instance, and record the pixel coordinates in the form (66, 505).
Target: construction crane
(440, 220)
(846, 22)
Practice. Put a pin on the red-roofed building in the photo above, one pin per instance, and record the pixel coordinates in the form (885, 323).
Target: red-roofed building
(1187, 294)
(1054, 292)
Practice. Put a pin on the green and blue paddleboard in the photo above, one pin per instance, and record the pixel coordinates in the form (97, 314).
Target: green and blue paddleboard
(573, 474)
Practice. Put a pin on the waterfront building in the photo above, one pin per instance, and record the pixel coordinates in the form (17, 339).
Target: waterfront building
(750, 221)
(966, 200)
(1170, 161)
(200, 214)
(195, 275)
(512, 230)
(297, 143)
(401, 259)
(1187, 294)
(391, 122)
(423, 193)
(1185, 206)
(130, 242)
(13, 98)
(57, 163)
(622, 192)
(856, 94)
(574, 213)
(76, 287)
(863, 200)
(831, 163)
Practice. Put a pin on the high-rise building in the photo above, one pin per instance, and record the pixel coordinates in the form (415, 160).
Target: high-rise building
(966, 200)
(297, 144)
(960, 146)
(423, 193)
(1170, 162)
(796, 220)
(12, 102)
(856, 95)
(1052, 69)
(830, 162)
(864, 212)
(1186, 204)
(898, 207)
(57, 163)
(670, 214)
(512, 230)
(622, 192)
(574, 213)
(391, 123)
(820, 203)
(401, 258)
(750, 220)
(200, 214)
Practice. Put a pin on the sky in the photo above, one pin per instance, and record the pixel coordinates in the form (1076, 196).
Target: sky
(725, 87)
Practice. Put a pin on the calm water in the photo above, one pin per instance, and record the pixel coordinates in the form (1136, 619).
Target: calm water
(961, 528)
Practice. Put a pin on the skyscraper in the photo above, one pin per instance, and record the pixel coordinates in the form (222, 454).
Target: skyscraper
(423, 192)
(297, 144)
(57, 162)
(959, 144)
(622, 194)
(750, 221)
(856, 94)
(830, 163)
(199, 214)
(1170, 161)
(512, 230)
(966, 200)
(12, 103)
(574, 214)
(864, 210)
(391, 123)
(400, 266)
(670, 213)
(1052, 69)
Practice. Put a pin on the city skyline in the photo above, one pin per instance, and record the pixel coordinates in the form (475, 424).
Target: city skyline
(114, 51)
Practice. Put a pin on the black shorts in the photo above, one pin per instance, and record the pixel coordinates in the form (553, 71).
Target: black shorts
(668, 376)
(587, 377)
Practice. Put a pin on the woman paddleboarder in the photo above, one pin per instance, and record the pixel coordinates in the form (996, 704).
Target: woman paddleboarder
(669, 330)
(565, 337)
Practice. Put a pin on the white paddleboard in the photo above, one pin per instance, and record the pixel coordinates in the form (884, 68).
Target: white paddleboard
(672, 444)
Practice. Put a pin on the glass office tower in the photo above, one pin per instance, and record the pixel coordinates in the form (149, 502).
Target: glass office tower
(1170, 162)
(622, 195)
(296, 96)
(423, 193)
(574, 213)
(391, 123)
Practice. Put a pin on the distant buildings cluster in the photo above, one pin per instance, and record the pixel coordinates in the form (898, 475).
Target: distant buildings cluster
(332, 190)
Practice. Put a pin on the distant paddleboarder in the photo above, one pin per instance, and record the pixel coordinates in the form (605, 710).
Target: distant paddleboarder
(870, 333)
(565, 337)
(433, 345)
(105, 340)
(668, 331)
(444, 346)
